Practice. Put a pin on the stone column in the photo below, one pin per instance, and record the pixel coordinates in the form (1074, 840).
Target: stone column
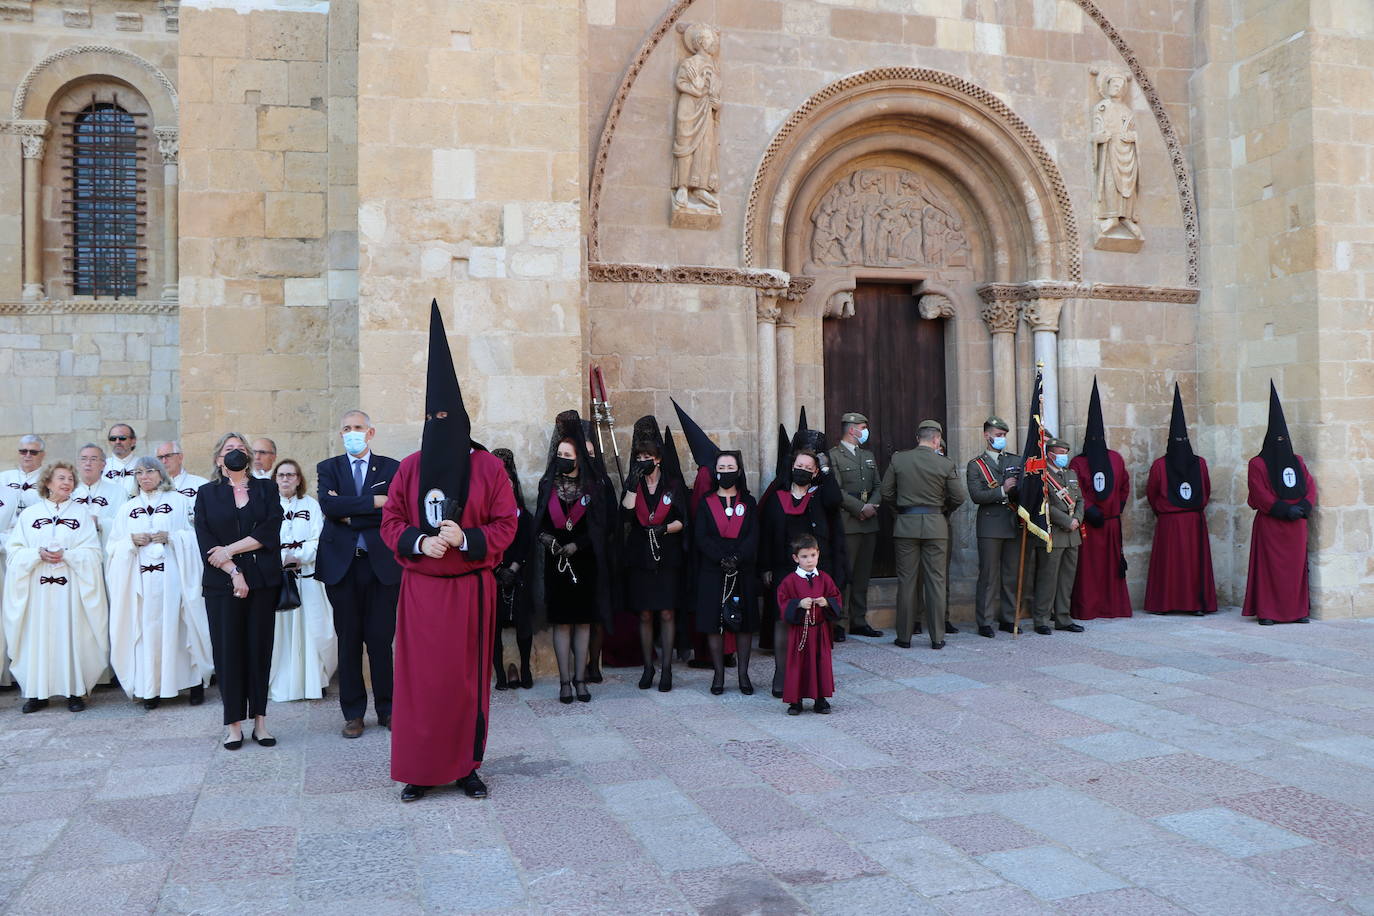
(787, 377)
(32, 136)
(1001, 317)
(767, 314)
(168, 144)
(1043, 316)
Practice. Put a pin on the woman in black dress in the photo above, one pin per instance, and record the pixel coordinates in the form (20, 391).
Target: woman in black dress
(571, 539)
(726, 538)
(513, 605)
(654, 510)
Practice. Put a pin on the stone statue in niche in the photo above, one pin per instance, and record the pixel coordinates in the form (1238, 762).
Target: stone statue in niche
(1116, 164)
(696, 144)
(887, 217)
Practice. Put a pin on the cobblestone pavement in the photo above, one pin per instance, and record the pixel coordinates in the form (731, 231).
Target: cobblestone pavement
(1152, 765)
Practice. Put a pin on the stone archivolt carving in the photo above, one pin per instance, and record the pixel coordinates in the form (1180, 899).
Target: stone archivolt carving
(21, 92)
(90, 307)
(887, 217)
(696, 133)
(776, 280)
(1024, 292)
(1116, 164)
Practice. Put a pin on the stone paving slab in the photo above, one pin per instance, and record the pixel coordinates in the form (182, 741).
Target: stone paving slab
(1147, 766)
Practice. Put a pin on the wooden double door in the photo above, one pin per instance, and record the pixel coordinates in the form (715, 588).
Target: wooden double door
(887, 363)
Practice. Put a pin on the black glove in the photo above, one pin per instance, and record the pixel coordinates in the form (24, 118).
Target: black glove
(632, 479)
(568, 549)
(1283, 511)
(1296, 511)
(1121, 568)
(505, 576)
(659, 530)
(1093, 516)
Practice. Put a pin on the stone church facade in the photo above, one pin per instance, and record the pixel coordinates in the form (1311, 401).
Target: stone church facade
(893, 206)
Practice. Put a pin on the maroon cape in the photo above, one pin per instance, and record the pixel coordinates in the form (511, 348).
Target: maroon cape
(445, 626)
(1277, 587)
(1100, 589)
(809, 674)
(1181, 557)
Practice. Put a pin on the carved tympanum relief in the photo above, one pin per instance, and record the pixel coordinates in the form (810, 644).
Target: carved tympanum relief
(696, 143)
(1116, 164)
(887, 217)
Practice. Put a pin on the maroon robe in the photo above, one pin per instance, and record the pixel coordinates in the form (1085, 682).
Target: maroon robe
(809, 674)
(1100, 588)
(1181, 557)
(1277, 586)
(445, 629)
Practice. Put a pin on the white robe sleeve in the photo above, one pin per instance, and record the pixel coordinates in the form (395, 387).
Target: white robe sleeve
(21, 560)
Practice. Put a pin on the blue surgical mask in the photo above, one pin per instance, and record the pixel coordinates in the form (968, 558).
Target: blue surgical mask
(1061, 461)
(999, 443)
(863, 436)
(354, 442)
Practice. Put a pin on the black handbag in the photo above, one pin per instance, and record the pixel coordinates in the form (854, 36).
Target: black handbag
(289, 598)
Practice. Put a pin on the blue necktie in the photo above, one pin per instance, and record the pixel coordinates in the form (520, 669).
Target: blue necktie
(358, 464)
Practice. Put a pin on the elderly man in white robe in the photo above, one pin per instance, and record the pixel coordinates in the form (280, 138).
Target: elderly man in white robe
(55, 617)
(102, 497)
(183, 481)
(120, 466)
(18, 491)
(305, 651)
(159, 633)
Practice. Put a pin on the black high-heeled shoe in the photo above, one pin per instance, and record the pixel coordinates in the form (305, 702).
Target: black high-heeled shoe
(646, 680)
(665, 680)
(499, 681)
(583, 694)
(746, 686)
(526, 678)
(718, 683)
(264, 742)
(565, 697)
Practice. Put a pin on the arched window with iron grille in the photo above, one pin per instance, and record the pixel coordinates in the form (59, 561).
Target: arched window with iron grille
(105, 199)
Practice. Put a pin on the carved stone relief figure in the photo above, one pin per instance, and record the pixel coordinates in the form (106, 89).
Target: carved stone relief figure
(696, 171)
(887, 217)
(1116, 164)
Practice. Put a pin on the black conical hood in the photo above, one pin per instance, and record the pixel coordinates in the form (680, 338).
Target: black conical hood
(1182, 467)
(446, 443)
(1095, 448)
(784, 460)
(1278, 455)
(704, 451)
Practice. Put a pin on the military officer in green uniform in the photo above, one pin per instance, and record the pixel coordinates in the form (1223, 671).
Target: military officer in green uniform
(1055, 570)
(922, 485)
(856, 470)
(992, 478)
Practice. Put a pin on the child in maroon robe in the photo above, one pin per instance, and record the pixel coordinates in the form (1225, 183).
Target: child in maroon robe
(809, 601)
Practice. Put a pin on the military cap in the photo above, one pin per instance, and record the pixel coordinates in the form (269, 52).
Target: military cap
(996, 423)
(932, 424)
(1057, 443)
(853, 418)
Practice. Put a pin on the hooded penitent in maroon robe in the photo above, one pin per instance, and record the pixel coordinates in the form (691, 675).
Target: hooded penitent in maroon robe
(1283, 494)
(809, 675)
(1100, 588)
(1181, 558)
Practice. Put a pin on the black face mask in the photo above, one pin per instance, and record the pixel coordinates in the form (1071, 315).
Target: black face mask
(802, 477)
(236, 460)
(563, 465)
(645, 466)
(726, 479)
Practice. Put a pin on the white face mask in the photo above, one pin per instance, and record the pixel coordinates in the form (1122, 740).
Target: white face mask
(999, 443)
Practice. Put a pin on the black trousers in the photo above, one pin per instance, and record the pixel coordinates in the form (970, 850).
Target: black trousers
(241, 631)
(364, 615)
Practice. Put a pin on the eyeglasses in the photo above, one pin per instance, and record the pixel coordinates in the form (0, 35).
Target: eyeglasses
(287, 474)
(120, 438)
(168, 455)
(258, 451)
(30, 451)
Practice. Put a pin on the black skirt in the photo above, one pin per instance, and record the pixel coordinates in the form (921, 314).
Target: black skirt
(570, 601)
(653, 590)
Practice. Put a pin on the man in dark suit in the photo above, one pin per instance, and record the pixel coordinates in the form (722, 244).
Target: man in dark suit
(359, 572)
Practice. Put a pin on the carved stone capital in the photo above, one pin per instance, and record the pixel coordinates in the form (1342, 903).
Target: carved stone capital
(168, 143)
(32, 136)
(1043, 314)
(798, 287)
(1001, 317)
(766, 308)
(935, 305)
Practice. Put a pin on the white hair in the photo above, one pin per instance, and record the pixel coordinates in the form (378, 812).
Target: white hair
(31, 439)
(355, 413)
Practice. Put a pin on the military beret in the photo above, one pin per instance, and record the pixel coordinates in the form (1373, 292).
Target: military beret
(931, 424)
(1057, 443)
(997, 423)
(853, 418)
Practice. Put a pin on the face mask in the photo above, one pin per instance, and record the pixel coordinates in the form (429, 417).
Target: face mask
(1061, 461)
(863, 436)
(354, 442)
(564, 465)
(726, 479)
(645, 466)
(802, 477)
(999, 443)
(236, 460)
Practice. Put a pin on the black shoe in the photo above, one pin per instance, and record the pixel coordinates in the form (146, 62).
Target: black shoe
(565, 697)
(730, 660)
(1007, 627)
(264, 742)
(583, 694)
(718, 684)
(837, 634)
(794, 709)
(1304, 620)
(500, 682)
(864, 630)
(1266, 622)
(152, 703)
(1199, 613)
(938, 645)
(665, 680)
(746, 686)
(76, 704)
(777, 694)
(197, 696)
(821, 706)
(1069, 628)
(950, 628)
(902, 643)
(413, 793)
(234, 744)
(472, 785)
(384, 720)
(646, 680)
(33, 704)
(989, 632)
(526, 679)
(1043, 631)
(594, 676)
